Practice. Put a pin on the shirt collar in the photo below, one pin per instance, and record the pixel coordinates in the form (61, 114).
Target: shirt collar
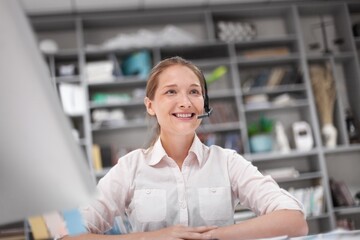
(197, 148)
(158, 152)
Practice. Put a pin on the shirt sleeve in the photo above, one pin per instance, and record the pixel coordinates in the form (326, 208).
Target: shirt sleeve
(257, 192)
(99, 215)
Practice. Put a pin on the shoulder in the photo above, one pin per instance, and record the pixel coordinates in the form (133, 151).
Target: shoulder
(225, 153)
(124, 170)
(129, 162)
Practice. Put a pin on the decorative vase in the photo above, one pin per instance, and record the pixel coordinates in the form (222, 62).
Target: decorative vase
(329, 133)
(261, 143)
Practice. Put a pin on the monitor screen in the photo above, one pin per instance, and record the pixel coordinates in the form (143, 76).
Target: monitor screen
(42, 168)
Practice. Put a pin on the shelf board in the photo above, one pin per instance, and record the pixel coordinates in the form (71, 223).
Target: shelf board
(99, 51)
(68, 79)
(131, 103)
(274, 60)
(301, 177)
(68, 53)
(318, 217)
(223, 93)
(272, 107)
(219, 127)
(343, 149)
(274, 90)
(100, 173)
(82, 141)
(126, 81)
(77, 115)
(347, 210)
(265, 41)
(342, 56)
(212, 62)
(259, 157)
(119, 126)
(357, 41)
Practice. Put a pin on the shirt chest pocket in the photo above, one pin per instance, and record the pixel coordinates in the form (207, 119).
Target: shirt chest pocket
(150, 205)
(215, 203)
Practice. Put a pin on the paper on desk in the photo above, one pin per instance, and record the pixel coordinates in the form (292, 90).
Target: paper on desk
(338, 234)
(275, 238)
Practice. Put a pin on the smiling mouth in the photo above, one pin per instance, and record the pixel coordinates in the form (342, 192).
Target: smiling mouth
(184, 115)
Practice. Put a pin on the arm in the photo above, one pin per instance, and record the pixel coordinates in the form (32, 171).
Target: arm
(175, 232)
(278, 223)
(279, 212)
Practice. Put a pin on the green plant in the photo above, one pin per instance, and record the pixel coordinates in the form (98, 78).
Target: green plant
(263, 126)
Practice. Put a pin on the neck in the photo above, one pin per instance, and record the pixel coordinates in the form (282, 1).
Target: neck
(177, 147)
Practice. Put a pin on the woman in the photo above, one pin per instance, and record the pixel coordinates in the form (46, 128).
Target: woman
(181, 189)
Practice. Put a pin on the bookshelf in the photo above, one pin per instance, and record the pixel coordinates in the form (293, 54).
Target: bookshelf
(285, 27)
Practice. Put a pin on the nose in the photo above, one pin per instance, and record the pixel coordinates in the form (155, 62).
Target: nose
(184, 101)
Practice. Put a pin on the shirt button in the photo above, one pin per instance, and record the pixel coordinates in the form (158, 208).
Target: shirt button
(213, 190)
(148, 191)
(182, 204)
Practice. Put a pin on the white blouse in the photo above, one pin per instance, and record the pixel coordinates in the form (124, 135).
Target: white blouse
(154, 193)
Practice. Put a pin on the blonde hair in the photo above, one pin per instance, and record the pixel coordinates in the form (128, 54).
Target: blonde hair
(153, 79)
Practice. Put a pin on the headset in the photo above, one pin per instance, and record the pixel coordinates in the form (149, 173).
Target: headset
(208, 109)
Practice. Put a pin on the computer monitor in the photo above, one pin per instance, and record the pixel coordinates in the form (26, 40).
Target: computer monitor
(42, 168)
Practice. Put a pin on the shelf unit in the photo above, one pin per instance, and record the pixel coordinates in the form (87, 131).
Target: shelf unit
(278, 25)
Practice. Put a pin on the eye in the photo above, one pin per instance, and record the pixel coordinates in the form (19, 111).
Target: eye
(195, 92)
(170, 92)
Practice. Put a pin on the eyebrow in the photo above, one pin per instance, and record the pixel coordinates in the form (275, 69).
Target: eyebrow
(175, 85)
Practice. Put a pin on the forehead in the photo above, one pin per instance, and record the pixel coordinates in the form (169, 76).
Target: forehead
(178, 74)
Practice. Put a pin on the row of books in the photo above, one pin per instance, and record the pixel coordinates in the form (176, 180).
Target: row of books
(282, 173)
(13, 231)
(271, 78)
(341, 194)
(106, 156)
(56, 224)
(312, 198)
(230, 140)
(345, 223)
(108, 70)
(72, 98)
(223, 111)
(266, 52)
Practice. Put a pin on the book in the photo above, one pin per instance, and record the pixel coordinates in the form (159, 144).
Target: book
(291, 77)
(72, 98)
(96, 154)
(99, 71)
(312, 199)
(261, 79)
(12, 232)
(341, 194)
(283, 172)
(73, 221)
(38, 227)
(232, 140)
(276, 77)
(223, 112)
(55, 224)
(106, 156)
(266, 52)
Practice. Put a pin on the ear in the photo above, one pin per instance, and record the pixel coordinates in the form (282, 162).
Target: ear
(148, 105)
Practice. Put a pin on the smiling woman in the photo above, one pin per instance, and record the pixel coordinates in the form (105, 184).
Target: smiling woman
(176, 103)
(174, 189)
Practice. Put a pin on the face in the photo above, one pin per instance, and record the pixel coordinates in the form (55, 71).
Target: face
(177, 102)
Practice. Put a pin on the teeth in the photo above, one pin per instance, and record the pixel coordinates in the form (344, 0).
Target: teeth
(183, 115)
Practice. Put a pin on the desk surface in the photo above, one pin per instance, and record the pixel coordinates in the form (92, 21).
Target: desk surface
(338, 234)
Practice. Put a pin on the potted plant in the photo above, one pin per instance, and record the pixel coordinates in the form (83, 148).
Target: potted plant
(260, 135)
